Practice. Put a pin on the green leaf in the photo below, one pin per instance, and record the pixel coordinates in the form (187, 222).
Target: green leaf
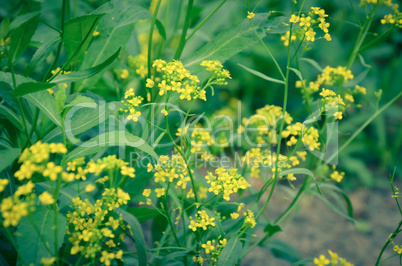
(343, 194)
(87, 73)
(272, 229)
(6, 77)
(80, 99)
(11, 116)
(36, 237)
(313, 63)
(161, 29)
(332, 206)
(30, 87)
(284, 251)
(263, 76)
(60, 97)
(77, 36)
(40, 55)
(357, 80)
(297, 72)
(21, 36)
(138, 235)
(7, 157)
(81, 117)
(113, 138)
(4, 28)
(21, 19)
(228, 43)
(115, 30)
(46, 103)
(178, 256)
(143, 214)
(297, 171)
(231, 253)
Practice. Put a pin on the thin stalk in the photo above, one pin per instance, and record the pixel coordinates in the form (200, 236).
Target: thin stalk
(388, 241)
(24, 122)
(184, 31)
(184, 158)
(151, 33)
(268, 51)
(278, 149)
(361, 37)
(168, 216)
(63, 12)
(205, 20)
(362, 127)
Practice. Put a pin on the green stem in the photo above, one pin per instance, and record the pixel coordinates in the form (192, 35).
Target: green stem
(278, 149)
(205, 20)
(361, 37)
(358, 131)
(388, 241)
(268, 51)
(151, 33)
(184, 31)
(168, 216)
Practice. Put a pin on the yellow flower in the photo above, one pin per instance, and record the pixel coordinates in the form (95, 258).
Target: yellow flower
(3, 184)
(46, 198)
(337, 176)
(89, 188)
(294, 18)
(250, 15)
(128, 171)
(150, 83)
(25, 189)
(146, 192)
(202, 220)
(160, 192)
(164, 112)
(208, 247)
(249, 219)
(52, 171)
(321, 261)
(124, 74)
(48, 261)
(234, 215)
(190, 193)
(95, 33)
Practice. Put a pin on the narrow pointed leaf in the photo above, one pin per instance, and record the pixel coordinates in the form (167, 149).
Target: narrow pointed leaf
(87, 73)
(31, 87)
(113, 138)
(40, 55)
(263, 76)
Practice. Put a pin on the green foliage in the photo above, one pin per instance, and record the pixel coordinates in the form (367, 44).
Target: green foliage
(36, 235)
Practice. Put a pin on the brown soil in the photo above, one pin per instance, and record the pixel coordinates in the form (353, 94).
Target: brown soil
(316, 228)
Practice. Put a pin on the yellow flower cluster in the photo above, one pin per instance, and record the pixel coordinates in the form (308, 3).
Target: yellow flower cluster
(333, 261)
(35, 160)
(92, 227)
(78, 169)
(333, 102)
(219, 75)
(310, 136)
(257, 158)
(261, 128)
(249, 219)
(139, 63)
(202, 220)
(200, 140)
(398, 249)
(226, 182)
(131, 103)
(14, 207)
(307, 26)
(337, 176)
